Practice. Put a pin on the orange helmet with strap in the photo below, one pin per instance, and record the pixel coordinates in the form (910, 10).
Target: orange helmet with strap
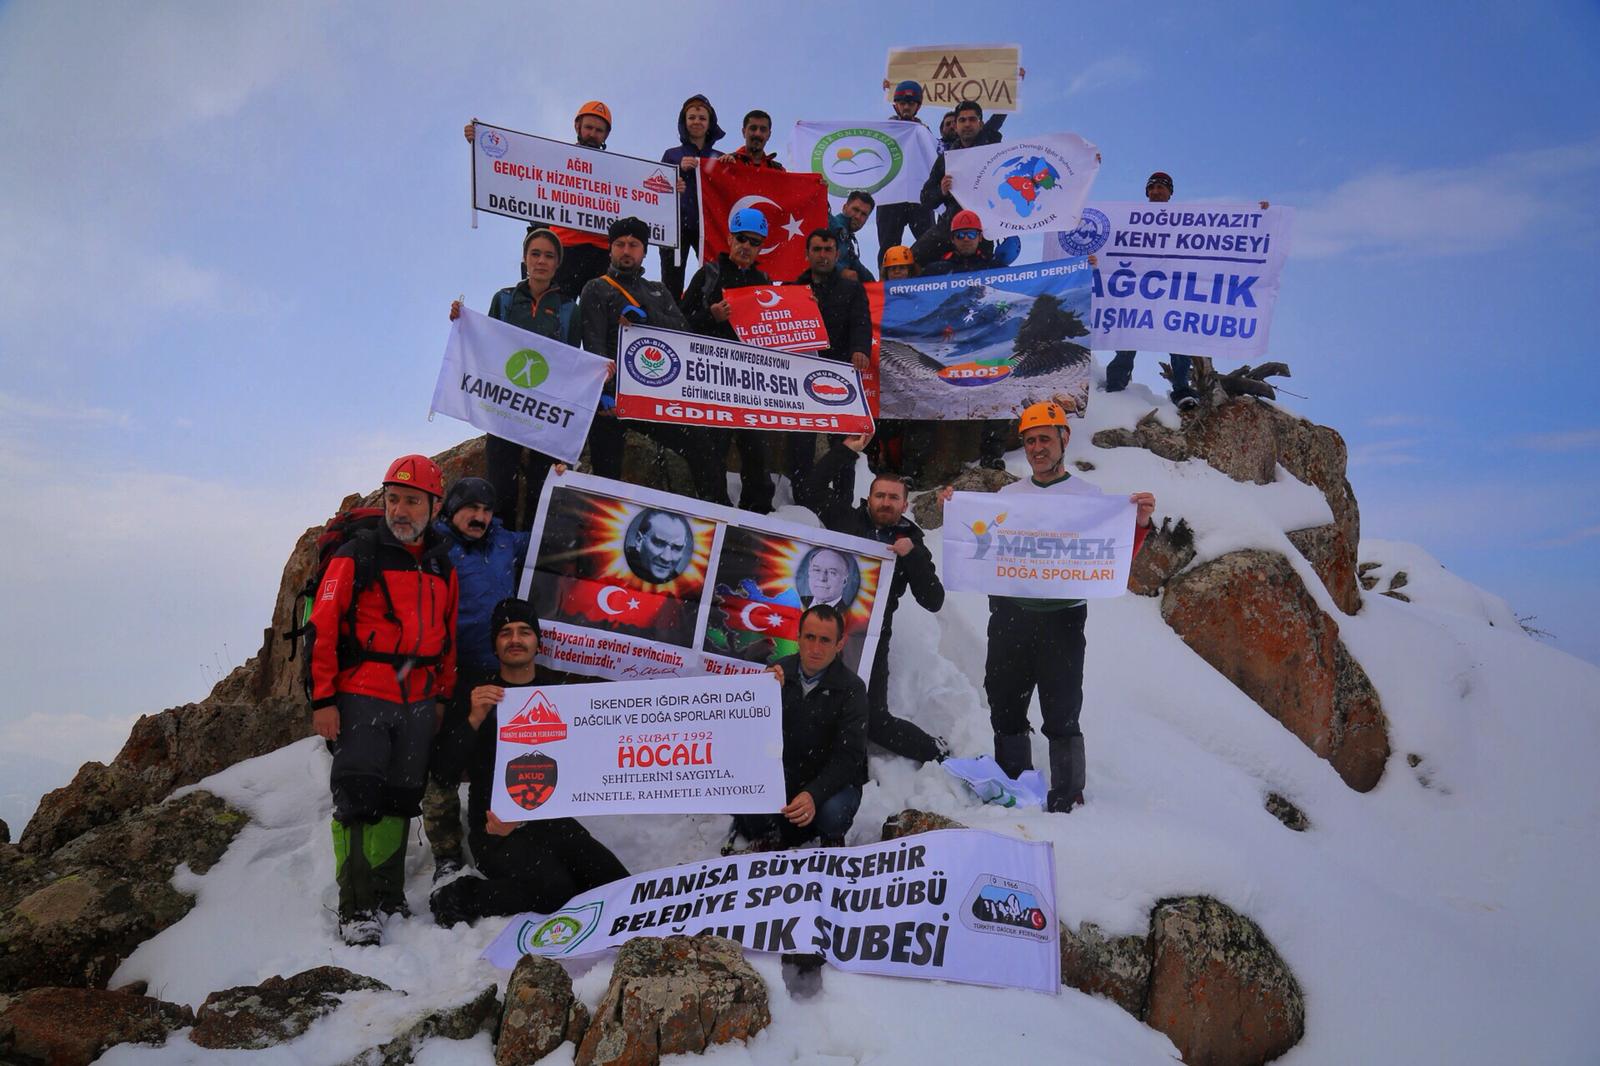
(416, 472)
(898, 256)
(1042, 414)
(598, 109)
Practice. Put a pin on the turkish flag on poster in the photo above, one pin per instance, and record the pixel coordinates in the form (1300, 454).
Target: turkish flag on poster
(784, 317)
(759, 616)
(609, 602)
(794, 205)
(869, 376)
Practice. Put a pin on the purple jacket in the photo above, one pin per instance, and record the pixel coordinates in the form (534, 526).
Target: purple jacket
(689, 199)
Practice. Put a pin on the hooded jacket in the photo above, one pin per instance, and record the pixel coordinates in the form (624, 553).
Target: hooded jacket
(845, 313)
(689, 199)
(487, 570)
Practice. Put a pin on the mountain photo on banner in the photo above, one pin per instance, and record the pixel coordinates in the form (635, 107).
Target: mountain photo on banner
(890, 159)
(794, 205)
(984, 344)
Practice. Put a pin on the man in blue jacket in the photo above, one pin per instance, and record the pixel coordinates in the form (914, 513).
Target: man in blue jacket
(488, 559)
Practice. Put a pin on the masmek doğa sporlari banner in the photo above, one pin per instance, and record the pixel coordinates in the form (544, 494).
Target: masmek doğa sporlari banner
(555, 183)
(954, 905)
(1039, 545)
(1193, 279)
(683, 378)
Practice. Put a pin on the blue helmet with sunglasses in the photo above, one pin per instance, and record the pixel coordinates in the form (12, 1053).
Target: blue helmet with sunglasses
(748, 220)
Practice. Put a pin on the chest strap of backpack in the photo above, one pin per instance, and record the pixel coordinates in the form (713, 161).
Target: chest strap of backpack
(626, 295)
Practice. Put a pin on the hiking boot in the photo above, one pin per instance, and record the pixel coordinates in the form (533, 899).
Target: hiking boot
(445, 870)
(992, 462)
(362, 929)
(1058, 802)
(457, 900)
(802, 974)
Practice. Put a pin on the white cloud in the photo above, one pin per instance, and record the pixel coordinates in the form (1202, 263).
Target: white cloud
(1397, 452)
(1566, 441)
(1487, 206)
(1113, 72)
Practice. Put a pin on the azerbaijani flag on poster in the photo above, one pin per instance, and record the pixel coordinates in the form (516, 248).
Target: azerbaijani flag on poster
(794, 205)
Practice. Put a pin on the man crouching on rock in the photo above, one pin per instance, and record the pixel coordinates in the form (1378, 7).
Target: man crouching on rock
(521, 866)
(824, 740)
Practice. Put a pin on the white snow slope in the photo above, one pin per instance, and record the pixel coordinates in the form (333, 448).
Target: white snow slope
(1444, 917)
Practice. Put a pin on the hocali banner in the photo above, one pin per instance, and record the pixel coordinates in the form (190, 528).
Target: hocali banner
(1039, 545)
(889, 160)
(951, 73)
(683, 378)
(961, 905)
(558, 183)
(698, 745)
(631, 583)
(1026, 186)
(1196, 279)
(785, 317)
(518, 385)
(984, 344)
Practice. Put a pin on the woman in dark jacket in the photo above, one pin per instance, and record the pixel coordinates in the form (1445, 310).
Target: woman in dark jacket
(536, 305)
(697, 132)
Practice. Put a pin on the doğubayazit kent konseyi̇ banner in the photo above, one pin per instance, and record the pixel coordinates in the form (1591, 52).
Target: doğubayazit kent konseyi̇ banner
(632, 583)
(1196, 279)
(960, 905)
(690, 380)
(518, 385)
(557, 183)
(697, 745)
(1029, 186)
(1038, 545)
(985, 344)
(888, 160)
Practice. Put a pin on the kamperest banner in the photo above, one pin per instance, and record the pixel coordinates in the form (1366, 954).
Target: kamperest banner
(952, 905)
(631, 583)
(697, 745)
(1196, 279)
(557, 183)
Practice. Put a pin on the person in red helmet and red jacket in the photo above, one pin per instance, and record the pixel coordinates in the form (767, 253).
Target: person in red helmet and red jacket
(386, 613)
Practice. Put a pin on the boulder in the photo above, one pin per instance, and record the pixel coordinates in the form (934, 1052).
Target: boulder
(73, 1026)
(673, 996)
(540, 1012)
(277, 1010)
(1218, 988)
(909, 822)
(1284, 810)
(929, 512)
(5, 832)
(71, 918)
(1117, 967)
(452, 1023)
(1167, 550)
(1248, 615)
(1333, 559)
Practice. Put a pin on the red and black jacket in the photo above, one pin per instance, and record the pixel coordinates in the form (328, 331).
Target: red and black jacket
(393, 608)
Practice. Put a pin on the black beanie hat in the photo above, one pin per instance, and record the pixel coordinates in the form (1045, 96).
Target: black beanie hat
(511, 610)
(629, 227)
(468, 490)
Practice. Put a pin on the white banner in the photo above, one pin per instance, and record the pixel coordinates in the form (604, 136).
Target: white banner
(1196, 280)
(630, 583)
(518, 385)
(1038, 545)
(686, 379)
(557, 183)
(953, 905)
(1027, 186)
(695, 745)
(890, 160)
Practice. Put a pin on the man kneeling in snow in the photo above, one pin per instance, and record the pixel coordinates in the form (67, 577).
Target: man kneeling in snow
(824, 740)
(522, 866)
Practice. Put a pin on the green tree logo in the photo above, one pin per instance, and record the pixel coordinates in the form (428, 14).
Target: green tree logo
(527, 369)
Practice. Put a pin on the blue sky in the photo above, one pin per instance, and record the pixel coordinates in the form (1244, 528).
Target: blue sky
(229, 235)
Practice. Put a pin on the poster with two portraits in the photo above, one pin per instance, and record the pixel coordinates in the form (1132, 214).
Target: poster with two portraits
(630, 583)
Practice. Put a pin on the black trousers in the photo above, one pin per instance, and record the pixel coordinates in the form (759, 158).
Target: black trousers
(518, 475)
(1029, 649)
(580, 264)
(895, 735)
(802, 457)
(539, 867)
(893, 220)
(704, 450)
(380, 761)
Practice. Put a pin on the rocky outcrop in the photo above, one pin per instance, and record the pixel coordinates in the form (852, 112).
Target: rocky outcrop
(1218, 989)
(911, 822)
(929, 512)
(1166, 551)
(1333, 559)
(70, 918)
(673, 996)
(1117, 967)
(541, 1013)
(74, 1026)
(5, 832)
(1248, 614)
(462, 1022)
(278, 1009)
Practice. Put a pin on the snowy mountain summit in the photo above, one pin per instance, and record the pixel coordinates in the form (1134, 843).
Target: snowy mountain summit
(1339, 810)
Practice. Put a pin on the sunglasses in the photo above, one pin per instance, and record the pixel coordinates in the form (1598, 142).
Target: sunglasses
(966, 234)
(752, 239)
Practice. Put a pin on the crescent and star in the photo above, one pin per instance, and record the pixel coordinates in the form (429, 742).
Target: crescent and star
(603, 600)
(793, 227)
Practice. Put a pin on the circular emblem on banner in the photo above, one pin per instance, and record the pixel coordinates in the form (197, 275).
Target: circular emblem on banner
(531, 779)
(652, 362)
(554, 932)
(527, 369)
(493, 142)
(1094, 229)
(857, 160)
(825, 386)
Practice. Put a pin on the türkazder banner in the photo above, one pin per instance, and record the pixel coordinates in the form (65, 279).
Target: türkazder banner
(1039, 545)
(961, 905)
(667, 376)
(519, 385)
(1027, 186)
(697, 745)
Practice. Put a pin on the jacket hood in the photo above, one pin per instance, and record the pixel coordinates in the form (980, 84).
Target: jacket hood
(714, 134)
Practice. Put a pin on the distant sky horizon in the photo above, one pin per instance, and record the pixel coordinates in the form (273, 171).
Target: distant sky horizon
(230, 236)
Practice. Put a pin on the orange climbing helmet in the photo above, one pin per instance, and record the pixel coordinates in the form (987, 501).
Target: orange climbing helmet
(416, 472)
(898, 256)
(1042, 414)
(598, 109)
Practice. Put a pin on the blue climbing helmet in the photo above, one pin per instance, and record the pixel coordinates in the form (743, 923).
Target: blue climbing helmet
(748, 220)
(908, 90)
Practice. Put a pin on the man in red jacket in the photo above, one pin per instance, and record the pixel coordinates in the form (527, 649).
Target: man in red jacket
(386, 613)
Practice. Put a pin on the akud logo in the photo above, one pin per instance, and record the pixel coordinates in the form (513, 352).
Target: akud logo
(829, 388)
(658, 182)
(984, 532)
(651, 362)
(531, 780)
(492, 142)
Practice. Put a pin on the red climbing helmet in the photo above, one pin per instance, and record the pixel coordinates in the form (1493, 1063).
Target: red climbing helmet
(416, 472)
